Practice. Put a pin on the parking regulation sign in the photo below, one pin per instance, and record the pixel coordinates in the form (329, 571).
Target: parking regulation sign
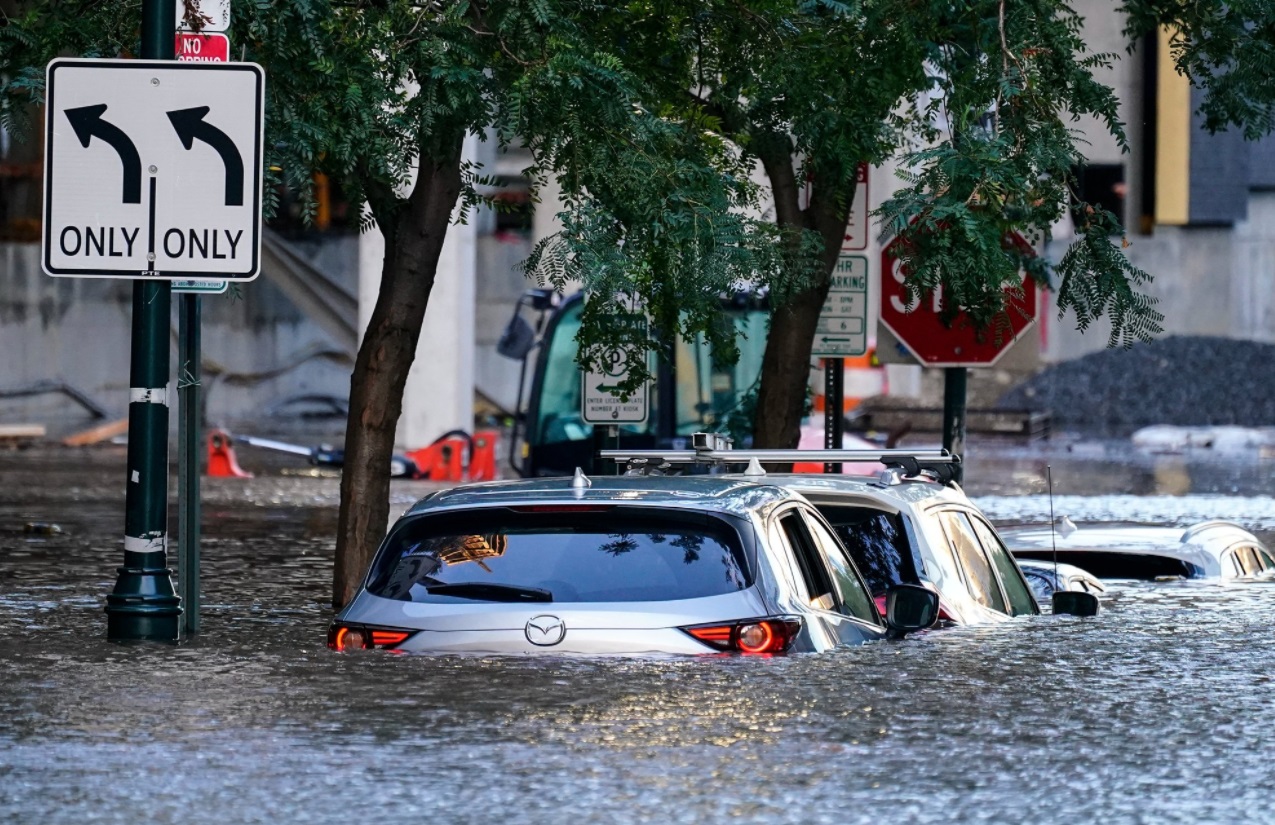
(153, 169)
(601, 402)
(843, 321)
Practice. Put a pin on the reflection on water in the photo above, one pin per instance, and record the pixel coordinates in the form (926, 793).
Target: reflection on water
(1157, 709)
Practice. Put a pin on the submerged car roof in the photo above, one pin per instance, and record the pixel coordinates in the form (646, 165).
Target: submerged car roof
(729, 494)
(1127, 539)
(1213, 536)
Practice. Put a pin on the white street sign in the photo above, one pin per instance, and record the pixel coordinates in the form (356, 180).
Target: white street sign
(153, 169)
(216, 14)
(856, 238)
(843, 321)
(600, 399)
(202, 287)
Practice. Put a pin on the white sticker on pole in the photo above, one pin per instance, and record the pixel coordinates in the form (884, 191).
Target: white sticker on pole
(214, 15)
(202, 287)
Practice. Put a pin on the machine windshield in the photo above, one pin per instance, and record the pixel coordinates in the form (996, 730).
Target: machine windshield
(706, 393)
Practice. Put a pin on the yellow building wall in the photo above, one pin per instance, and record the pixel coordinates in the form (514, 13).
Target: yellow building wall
(1173, 139)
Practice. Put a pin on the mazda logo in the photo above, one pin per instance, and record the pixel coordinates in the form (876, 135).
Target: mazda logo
(545, 630)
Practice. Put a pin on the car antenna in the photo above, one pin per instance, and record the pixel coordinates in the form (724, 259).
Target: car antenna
(1077, 604)
(1053, 526)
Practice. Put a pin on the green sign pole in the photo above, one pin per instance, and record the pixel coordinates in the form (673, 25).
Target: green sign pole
(143, 604)
(188, 468)
(834, 403)
(954, 392)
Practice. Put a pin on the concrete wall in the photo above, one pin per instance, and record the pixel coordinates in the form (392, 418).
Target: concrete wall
(500, 283)
(1209, 281)
(1213, 274)
(77, 331)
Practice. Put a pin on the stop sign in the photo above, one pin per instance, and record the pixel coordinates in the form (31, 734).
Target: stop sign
(917, 324)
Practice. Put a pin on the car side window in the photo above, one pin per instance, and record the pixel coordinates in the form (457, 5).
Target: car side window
(876, 541)
(939, 562)
(978, 570)
(813, 573)
(1020, 598)
(854, 597)
(1233, 559)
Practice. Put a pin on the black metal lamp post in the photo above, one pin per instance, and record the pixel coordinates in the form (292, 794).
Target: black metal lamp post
(143, 604)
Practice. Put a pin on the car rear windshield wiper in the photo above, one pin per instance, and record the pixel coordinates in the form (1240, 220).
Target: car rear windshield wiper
(491, 592)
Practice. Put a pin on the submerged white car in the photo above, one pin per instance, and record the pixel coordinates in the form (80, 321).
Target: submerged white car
(618, 565)
(1210, 549)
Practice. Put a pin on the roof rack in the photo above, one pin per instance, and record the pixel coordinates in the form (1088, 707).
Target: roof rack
(715, 449)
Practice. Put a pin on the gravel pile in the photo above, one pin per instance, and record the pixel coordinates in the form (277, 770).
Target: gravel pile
(1180, 380)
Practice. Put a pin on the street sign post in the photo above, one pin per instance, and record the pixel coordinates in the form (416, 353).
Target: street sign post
(918, 326)
(856, 238)
(153, 169)
(208, 45)
(142, 605)
(842, 330)
(843, 322)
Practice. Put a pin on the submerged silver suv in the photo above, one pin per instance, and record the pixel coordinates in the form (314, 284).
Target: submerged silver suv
(621, 565)
(908, 524)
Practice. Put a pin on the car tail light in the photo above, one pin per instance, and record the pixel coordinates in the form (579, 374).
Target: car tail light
(770, 635)
(344, 638)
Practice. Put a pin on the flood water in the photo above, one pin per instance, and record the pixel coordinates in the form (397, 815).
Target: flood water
(1157, 710)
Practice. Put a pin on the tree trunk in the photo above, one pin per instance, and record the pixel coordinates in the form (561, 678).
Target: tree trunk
(413, 241)
(785, 369)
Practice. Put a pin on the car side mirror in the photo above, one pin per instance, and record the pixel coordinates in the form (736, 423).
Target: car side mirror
(517, 339)
(1074, 603)
(910, 607)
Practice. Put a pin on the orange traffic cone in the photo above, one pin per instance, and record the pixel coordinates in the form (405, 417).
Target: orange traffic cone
(444, 460)
(482, 462)
(221, 457)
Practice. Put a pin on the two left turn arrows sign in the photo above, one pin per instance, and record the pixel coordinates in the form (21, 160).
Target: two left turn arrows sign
(153, 169)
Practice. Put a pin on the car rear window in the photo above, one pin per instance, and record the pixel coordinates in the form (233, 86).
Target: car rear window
(619, 555)
(876, 541)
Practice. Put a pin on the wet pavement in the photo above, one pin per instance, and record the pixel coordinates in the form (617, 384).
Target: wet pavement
(1157, 710)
